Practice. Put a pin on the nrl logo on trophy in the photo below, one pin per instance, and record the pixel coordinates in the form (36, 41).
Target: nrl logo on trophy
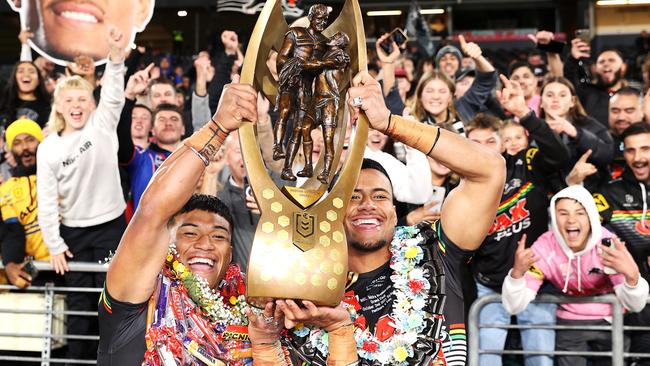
(300, 250)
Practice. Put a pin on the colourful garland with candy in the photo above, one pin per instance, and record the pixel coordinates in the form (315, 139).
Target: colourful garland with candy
(408, 317)
(192, 322)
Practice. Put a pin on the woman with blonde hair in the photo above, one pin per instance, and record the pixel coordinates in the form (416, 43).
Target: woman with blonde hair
(434, 103)
(80, 201)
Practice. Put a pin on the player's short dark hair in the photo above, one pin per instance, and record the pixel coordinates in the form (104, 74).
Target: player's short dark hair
(373, 164)
(635, 129)
(162, 80)
(628, 91)
(206, 203)
(483, 121)
(167, 107)
(518, 65)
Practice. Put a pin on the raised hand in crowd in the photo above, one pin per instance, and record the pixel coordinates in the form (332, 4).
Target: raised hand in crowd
(473, 50)
(25, 35)
(542, 37)
(555, 65)
(230, 41)
(387, 61)
(138, 83)
(83, 66)
(524, 258)
(116, 44)
(581, 170)
(580, 49)
(202, 65)
(618, 258)
(512, 98)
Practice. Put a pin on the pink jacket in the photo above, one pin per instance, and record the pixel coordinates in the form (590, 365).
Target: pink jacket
(575, 273)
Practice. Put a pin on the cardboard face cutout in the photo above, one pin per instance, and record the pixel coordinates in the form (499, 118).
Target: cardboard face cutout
(65, 29)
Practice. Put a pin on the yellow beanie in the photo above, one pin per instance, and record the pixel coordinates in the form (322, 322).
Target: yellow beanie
(22, 125)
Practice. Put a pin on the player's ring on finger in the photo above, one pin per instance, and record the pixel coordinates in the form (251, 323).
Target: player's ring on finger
(269, 319)
(357, 101)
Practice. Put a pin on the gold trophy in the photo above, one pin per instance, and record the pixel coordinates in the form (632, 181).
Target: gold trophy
(300, 249)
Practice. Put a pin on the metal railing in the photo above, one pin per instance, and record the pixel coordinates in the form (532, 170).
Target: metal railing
(617, 328)
(50, 315)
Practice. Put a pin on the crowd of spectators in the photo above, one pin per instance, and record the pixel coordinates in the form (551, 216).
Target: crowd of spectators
(573, 126)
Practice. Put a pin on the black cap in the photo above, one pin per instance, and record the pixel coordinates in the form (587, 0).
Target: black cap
(460, 74)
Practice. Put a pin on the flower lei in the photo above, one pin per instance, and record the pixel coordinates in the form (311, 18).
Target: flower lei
(407, 318)
(226, 306)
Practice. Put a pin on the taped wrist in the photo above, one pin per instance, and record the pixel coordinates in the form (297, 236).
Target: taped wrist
(342, 346)
(207, 141)
(415, 134)
(265, 354)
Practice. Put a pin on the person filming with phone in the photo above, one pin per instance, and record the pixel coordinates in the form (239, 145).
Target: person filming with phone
(609, 77)
(581, 258)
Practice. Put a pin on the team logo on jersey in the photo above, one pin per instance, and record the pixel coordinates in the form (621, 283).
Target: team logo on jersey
(536, 272)
(530, 154)
(601, 202)
(629, 198)
(513, 221)
(513, 184)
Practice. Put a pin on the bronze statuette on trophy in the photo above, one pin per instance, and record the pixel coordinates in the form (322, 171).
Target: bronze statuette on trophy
(311, 69)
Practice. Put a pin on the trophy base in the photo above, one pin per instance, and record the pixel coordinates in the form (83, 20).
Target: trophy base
(260, 302)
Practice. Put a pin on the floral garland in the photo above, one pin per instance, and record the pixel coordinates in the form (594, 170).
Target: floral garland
(213, 304)
(411, 289)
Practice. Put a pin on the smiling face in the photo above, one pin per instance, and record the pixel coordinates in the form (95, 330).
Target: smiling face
(24, 149)
(370, 220)
(75, 105)
(609, 67)
(26, 78)
(572, 223)
(526, 79)
(637, 155)
(557, 100)
(140, 123)
(449, 64)
(203, 244)
(436, 97)
(65, 29)
(514, 139)
(624, 110)
(168, 127)
(376, 140)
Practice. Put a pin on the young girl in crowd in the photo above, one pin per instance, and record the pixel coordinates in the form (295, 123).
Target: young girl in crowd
(80, 202)
(561, 109)
(25, 96)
